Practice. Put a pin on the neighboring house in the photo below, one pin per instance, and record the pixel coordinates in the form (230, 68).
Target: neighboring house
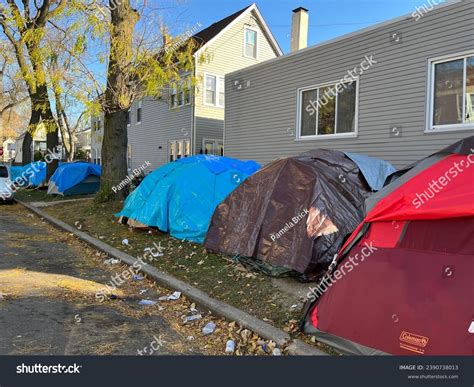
(8, 147)
(97, 130)
(414, 97)
(84, 142)
(38, 144)
(192, 121)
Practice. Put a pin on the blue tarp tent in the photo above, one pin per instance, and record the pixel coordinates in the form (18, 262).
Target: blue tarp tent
(77, 178)
(33, 174)
(180, 197)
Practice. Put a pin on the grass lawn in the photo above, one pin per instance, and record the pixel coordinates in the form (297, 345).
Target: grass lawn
(277, 301)
(40, 195)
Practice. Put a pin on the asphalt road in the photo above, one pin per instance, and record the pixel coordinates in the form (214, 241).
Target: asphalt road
(49, 282)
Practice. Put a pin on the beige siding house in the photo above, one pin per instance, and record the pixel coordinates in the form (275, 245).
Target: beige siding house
(180, 124)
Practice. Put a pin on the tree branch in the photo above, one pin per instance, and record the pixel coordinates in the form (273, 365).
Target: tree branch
(13, 104)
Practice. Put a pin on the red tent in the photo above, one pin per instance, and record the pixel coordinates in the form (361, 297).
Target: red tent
(402, 283)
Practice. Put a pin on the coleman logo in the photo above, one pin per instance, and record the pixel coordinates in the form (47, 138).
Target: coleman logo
(411, 338)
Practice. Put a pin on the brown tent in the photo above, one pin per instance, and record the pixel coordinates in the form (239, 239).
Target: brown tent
(294, 213)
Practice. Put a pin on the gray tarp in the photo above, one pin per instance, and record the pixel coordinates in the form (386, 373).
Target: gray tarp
(375, 171)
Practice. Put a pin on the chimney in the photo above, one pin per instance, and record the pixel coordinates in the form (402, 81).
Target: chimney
(299, 29)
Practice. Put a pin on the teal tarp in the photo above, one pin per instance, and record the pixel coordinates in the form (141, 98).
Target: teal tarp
(68, 175)
(180, 197)
(33, 174)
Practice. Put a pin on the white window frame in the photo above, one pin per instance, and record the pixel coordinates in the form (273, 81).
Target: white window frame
(215, 144)
(129, 117)
(430, 127)
(216, 92)
(139, 107)
(175, 148)
(300, 91)
(257, 38)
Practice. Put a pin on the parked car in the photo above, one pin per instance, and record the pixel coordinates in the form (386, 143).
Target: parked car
(6, 193)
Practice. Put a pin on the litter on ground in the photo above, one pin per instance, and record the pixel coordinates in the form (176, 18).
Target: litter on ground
(209, 328)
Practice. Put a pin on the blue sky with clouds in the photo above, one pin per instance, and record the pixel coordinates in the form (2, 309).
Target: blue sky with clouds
(328, 18)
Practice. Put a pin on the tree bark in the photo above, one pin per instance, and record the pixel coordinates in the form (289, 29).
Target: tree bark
(114, 155)
(35, 119)
(118, 98)
(27, 154)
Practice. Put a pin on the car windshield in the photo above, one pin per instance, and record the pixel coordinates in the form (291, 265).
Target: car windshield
(3, 172)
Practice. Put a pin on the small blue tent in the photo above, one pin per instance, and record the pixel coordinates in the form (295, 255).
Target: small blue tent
(78, 178)
(180, 197)
(33, 174)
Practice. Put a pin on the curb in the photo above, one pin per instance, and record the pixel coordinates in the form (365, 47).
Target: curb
(295, 347)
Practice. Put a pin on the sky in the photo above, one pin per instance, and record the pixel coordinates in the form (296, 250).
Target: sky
(327, 18)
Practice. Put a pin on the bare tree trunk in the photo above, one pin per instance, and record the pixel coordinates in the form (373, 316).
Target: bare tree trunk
(62, 130)
(114, 154)
(27, 154)
(35, 119)
(117, 95)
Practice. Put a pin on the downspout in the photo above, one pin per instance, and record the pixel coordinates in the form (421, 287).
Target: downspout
(225, 113)
(193, 113)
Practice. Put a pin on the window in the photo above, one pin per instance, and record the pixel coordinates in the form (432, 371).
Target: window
(97, 125)
(187, 95)
(129, 118)
(171, 151)
(329, 110)
(220, 148)
(212, 147)
(178, 149)
(187, 148)
(214, 93)
(221, 89)
(250, 45)
(129, 156)
(208, 147)
(180, 96)
(211, 90)
(139, 112)
(452, 94)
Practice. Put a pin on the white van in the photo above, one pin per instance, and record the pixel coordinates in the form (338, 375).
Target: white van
(6, 192)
